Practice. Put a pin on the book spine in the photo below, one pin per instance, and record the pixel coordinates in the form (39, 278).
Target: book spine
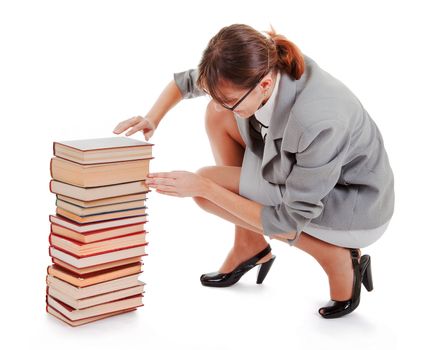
(51, 168)
(100, 253)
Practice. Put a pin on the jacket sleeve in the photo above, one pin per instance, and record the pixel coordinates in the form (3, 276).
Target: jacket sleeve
(186, 82)
(320, 155)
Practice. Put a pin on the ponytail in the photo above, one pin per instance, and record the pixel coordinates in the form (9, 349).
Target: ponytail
(289, 56)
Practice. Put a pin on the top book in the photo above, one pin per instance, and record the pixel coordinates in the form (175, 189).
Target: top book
(102, 150)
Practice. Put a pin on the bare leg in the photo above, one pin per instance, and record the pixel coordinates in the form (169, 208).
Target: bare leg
(228, 149)
(336, 262)
(228, 177)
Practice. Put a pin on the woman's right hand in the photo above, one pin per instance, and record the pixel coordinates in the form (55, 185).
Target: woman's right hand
(137, 123)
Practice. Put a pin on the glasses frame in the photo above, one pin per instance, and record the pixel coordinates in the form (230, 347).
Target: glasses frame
(242, 98)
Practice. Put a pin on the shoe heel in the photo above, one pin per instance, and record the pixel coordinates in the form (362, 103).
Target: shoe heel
(264, 269)
(367, 278)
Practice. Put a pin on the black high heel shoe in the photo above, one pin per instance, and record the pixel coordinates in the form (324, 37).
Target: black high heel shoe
(218, 279)
(362, 274)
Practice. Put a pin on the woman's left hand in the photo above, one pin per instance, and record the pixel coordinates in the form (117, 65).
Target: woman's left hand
(177, 183)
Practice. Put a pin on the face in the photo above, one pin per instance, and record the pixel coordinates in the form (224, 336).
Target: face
(250, 99)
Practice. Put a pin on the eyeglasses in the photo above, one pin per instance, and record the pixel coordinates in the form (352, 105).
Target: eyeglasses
(242, 98)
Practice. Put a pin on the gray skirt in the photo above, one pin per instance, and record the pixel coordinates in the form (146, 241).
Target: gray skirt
(253, 186)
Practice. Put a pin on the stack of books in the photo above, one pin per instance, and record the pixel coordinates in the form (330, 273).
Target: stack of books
(97, 237)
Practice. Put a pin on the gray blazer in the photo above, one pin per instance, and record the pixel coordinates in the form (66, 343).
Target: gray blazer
(324, 150)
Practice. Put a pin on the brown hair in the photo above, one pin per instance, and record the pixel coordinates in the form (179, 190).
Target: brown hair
(242, 56)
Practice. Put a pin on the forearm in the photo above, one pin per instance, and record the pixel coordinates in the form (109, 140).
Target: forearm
(241, 207)
(169, 97)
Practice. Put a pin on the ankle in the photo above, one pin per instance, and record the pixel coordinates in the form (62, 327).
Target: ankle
(337, 262)
(250, 247)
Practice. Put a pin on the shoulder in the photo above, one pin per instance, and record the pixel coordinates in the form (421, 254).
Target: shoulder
(323, 102)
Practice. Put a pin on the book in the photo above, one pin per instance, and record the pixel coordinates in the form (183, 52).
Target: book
(94, 236)
(77, 281)
(104, 201)
(96, 299)
(96, 268)
(100, 150)
(97, 237)
(76, 292)
(83, 249)
(81, 211)
(102, 174)
(95, 193)
(76, 314)
(90, 227)
(96, 259)
(101, 216)
(86, 320)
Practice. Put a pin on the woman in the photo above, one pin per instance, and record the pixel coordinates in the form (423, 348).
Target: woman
(300, 160)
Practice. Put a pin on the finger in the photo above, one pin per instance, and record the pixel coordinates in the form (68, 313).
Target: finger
(124, 125)
(120, 126)
(164, 175)
(139, 126)
(163, 187)
(169, 193)
(166, 181)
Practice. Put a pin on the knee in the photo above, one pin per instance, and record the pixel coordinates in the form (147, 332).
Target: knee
(206, 171)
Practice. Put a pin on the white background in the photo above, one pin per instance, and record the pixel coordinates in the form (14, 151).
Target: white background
(74, 69)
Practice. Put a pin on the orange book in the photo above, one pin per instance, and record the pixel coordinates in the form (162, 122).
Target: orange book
(88, 279)
(78, 293)
(95, 175)
(98, 267)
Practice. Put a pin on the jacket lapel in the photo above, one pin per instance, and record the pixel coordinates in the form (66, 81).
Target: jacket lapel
(271, 148)
(284, 101)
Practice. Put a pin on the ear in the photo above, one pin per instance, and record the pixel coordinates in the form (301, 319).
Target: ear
(267, 82)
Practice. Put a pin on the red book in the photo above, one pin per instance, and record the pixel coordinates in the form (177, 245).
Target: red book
(96, 259)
